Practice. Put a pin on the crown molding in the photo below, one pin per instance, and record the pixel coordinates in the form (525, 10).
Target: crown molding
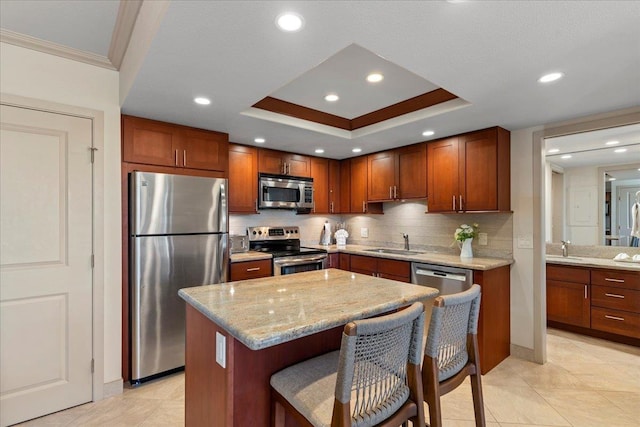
(34, 43)
(125, 22)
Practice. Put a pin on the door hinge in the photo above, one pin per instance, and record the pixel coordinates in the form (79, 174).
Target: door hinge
(93, 365)
(93, 260)
(93, 150)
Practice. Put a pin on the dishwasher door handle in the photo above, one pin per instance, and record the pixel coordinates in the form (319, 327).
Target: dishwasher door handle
(441, 275)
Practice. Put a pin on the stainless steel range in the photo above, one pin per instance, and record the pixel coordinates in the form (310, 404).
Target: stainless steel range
(284, 244)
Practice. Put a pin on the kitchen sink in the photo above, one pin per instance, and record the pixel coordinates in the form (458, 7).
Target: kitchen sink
(572, 258)
(394, 251)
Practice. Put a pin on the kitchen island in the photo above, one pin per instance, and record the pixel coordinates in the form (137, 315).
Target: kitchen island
(268, 324)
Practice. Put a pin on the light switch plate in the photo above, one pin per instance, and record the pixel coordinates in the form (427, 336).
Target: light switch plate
(364, 232)
(482, 239)
(525, 242)
(221, 349)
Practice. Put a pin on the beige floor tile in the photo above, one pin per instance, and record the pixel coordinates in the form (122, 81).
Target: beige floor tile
(629, 403)
(550, 375)
(458, 405)
(119, 412)
(521, 405)
(585, 408)
(62, 418)
(171, 413)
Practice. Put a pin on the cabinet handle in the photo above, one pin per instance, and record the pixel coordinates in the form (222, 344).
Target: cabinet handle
(585, 291)
(454, 203)
(614, 295)
(176, 159)
(253, 269)
(256, 205)
(390, 192)
(613, 280)
(395, 192)
(314, 206)
(184, 158)
(461, 208)
(364, 208)
(614, 317)
(331, 206)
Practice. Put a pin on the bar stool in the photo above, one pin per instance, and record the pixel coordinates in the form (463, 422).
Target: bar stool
(373, 380)
(451, 352)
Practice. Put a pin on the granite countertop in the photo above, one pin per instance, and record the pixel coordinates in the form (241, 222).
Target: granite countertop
(265, 312)
(593, 262)
(475, 263)
(249, 256)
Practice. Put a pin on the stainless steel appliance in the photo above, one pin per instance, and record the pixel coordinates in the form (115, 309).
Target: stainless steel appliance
(448, 280)
(285, 192)
(238, 243)
(284, 244)
(178, 239)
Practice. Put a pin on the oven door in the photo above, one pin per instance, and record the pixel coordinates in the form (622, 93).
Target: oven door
(298, 264)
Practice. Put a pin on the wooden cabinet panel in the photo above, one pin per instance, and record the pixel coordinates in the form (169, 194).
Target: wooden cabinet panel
(334, 187)
(394, 267)
(282, 163)
(568, 302)
(615, 298)
(148, 141)
(358, 185)
(363, 265)
(204, 150)
(320, 175)
(412, 172)
(345, 186)
(381, 267)
(250, 269)
(298, 165)
(381, 176)
(345, 262)
(443, 181)
(478, 172)
(333, 260)
(567, 274)
(270, 161)
(616, 278)
(243, 179)
(616, 321)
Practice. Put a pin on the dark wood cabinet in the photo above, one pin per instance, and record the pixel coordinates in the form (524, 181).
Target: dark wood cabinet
(320, 175)
(358, 187)
(381, 267)
(345, 187)
(250, 269)
(615, 302)
(345, 262)
(333, 260)
(334, 187)
(243, 179)
(398, 174)
(568, 295)
(157, 143)
(470, 172)
(283, 163)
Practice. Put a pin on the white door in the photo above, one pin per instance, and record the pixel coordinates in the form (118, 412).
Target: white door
(45, 263)
(626, 199)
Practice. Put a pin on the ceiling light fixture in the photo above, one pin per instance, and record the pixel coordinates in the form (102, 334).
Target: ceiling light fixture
(553, 150)
(612, 179)
(612, 142)
(319, 150)
(428, 133)
(619, 150)
(551, 77)
(332, 97)
(357, 150)
(566, 156)
(289, 22)
(375, 77)
(202, 101)
(259, 140)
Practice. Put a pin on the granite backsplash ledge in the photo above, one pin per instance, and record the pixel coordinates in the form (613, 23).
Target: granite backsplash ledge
(592, 251)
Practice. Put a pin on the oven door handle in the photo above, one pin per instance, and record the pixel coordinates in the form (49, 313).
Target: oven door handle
(287, 262)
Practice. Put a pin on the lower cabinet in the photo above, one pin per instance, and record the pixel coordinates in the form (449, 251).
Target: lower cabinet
(250, 269)
(333, 260)
(381, 267)
(568, 295)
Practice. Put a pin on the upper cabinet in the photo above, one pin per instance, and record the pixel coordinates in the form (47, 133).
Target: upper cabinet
(163, 144)
(282, 163)
(359, 202)
(335, 195)
(326, 185)
(398, 174)
(243, 179)
(470, 172)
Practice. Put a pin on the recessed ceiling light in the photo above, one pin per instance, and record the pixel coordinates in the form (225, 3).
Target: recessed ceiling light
(375, 77)
(612, 142)
(289, 22)
(332, 97)
(551, 77)
(202, 101)
(612, 179)
(619, 150)
(566, 156)
(428, 133)
(357, 150)
(553, 150)
(259, 140)
(319, 150)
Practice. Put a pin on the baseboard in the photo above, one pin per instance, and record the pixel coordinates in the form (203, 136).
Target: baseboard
(522, 352)
(113, 388)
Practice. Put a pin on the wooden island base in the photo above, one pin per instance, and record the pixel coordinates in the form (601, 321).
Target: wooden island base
(238, 395)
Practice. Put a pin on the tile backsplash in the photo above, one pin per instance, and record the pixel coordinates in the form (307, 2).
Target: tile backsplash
(432, 232)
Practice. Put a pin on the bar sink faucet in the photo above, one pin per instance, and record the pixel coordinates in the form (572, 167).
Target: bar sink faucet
(406, 241)
(565, 248)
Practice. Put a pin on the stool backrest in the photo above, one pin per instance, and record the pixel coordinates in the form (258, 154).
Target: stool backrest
(453, 317)
(372, 370)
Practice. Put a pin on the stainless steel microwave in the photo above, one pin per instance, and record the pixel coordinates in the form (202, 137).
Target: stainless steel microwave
(285, 192)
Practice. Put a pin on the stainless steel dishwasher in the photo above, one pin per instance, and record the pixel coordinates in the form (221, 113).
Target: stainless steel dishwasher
(447, 280)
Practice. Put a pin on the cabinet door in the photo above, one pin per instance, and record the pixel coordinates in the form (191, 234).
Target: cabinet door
(412, 172)
(320, 175)
(381, 176)
(203, 150)
(149, 142)
(442, 182)
(243, 179)
(358, 185)
(345, 262)
(297, 165)
(479, 171)
(364, 265)
(568, 303)
(345, 187)
(394, 270)
(334, 186)
(270, 161)
(333, 260)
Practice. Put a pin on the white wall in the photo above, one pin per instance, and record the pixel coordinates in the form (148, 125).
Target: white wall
(32, 74)
(581, 193)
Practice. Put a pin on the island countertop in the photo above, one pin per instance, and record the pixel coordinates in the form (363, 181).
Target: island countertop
(264, 312)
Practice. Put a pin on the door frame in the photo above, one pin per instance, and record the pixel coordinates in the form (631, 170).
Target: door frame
(600, 121)
(97, 202)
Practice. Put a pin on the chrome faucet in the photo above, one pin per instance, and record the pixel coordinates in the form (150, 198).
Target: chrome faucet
(406, 241)
(565, 248)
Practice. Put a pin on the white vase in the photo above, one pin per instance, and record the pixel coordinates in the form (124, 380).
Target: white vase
(465, 249)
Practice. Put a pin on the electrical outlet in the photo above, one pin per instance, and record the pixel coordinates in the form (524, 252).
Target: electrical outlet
(482, 239)
(221, 349)
(364, 232)
(525, 242)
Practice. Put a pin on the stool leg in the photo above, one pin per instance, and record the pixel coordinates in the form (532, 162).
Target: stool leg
(277, 414)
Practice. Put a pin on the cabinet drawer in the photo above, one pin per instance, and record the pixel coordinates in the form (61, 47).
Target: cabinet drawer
(363, 264)
(251, 269)
(567, 274)
(615, 321)
(616, 278)
(392, 267)
(615, 298)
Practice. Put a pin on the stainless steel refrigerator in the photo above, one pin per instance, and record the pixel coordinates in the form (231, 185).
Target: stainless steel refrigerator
(178, 239)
